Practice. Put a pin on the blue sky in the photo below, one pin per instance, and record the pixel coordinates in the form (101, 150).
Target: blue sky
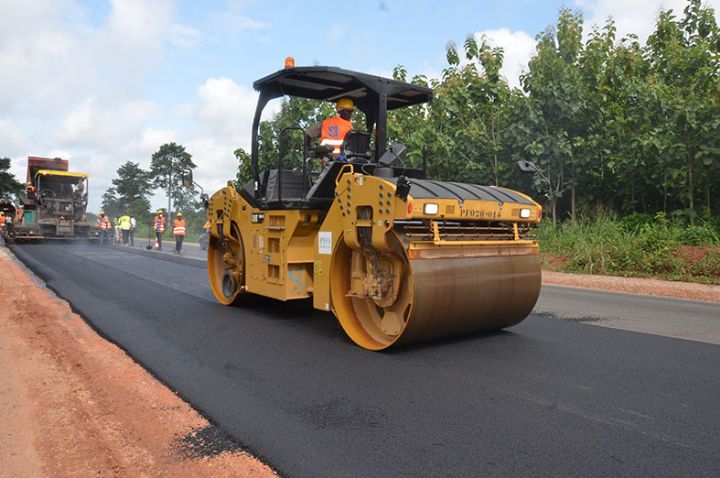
(251, 39)
(104, 82)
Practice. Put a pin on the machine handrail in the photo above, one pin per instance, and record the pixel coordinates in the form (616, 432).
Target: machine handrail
(281, 155)
(340, 173)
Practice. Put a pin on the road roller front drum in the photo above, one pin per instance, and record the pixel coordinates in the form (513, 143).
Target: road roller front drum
(433, 298)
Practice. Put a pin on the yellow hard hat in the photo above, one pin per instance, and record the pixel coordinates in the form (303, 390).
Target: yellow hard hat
(344, 104)
(179, 214)
(2, 213)
(102, 212)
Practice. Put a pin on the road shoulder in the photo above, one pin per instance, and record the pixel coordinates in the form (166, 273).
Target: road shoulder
(76, 405)
(635, 285)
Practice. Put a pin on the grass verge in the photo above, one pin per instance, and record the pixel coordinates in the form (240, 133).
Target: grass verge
(638, 245)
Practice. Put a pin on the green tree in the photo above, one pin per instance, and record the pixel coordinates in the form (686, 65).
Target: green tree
(409, 126)
(111, 203)
(684, 72)
(554, 117)
(472, 106)
(9, 186)
(166, 168)
(133, 188)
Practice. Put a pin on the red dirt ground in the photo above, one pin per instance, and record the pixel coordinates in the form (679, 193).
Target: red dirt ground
(73, 404)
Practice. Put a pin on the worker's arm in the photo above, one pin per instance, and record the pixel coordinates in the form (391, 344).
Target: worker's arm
(312, 133)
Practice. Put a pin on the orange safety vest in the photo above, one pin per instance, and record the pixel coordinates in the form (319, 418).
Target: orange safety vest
(179, 227)
(103, 222)
(333, 133)
(2, 222)
(159, 224)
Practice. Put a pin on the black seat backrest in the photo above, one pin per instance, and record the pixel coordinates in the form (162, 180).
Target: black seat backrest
(356, 143)
(294, 185)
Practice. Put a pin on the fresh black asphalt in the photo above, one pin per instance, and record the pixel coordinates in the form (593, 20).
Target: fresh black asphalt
(545, 398)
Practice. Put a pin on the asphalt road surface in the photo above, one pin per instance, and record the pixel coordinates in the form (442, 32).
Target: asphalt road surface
(548, 397)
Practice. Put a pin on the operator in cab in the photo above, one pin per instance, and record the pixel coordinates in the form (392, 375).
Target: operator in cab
(332, 131)
(30, 190)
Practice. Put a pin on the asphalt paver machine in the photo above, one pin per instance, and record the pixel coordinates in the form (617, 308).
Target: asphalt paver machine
(397, 257)
(54, 204)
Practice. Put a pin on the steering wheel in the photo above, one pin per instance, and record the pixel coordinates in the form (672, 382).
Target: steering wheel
(324, 154)
(47, 194)
(325, 151)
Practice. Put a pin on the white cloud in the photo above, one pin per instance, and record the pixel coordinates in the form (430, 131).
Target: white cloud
(12, 139)
(95, 124)
(68, 85)
(223, 116)
(226, 108)
(336, 32)
(518, 48)
(637, 16)
(151, 139)
(50, 58)
(184, 36)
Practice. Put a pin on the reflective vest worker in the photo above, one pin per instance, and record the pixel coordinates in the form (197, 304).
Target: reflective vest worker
(124, 222)
(159, 228)
(179, 225)
(2, 220)
(103, 222)
(332, 131)
(179, 232)
(124, 225)
(159, 223)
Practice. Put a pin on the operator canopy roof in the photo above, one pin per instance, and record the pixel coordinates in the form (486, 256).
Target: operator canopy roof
(331, 83)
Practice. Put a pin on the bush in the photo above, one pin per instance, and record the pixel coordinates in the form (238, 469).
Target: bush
(708, 266)
(635, 221)
(637, 245)
(702, 235)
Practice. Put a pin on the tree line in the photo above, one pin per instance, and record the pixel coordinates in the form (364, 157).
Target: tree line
(615, 123)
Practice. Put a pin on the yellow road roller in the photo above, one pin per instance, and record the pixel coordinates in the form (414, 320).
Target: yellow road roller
(398, 258)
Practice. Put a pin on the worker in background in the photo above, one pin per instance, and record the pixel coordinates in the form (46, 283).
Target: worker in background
(159, 228)
(2, 220)
(103, 222)
(30, 191)
(332, 131)
(9, 220)
(133, 225)
(124, 225)
(179, 227)
(79, 193)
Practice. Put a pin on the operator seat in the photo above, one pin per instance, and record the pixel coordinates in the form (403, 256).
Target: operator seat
(356, 147)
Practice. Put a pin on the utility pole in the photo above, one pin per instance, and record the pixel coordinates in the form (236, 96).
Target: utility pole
(169, 182)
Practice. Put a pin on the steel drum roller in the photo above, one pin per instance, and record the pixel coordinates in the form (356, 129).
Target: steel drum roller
(441, 297)
(460, 296)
